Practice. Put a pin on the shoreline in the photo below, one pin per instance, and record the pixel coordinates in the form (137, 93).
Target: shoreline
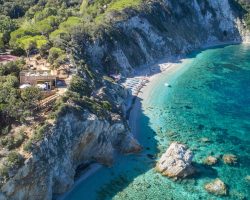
(136, 102)
(165, 66)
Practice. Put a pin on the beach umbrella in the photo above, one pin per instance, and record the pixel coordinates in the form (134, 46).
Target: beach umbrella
(42, 86)
(23, 86)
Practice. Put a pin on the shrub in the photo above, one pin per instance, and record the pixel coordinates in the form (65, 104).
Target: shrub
(10, 142)
(14, 160)
(61, 60)
(70, 23)
(6, 141)
(19, 138)
(43, 51)
(1, 42)
(4, 172)
(37, 136)
(106, 105)
(92, 105)
(58, 33)
(5, 130)
(39, 132)
(31, 96)
(28, 146)
(17, 51)
(122, 4)
(80, 86)
(54, 53)
(12, 68)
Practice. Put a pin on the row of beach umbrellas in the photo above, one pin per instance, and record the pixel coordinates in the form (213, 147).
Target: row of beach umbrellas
(41, 86)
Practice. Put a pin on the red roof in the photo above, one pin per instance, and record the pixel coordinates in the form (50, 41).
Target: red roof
(7, 58)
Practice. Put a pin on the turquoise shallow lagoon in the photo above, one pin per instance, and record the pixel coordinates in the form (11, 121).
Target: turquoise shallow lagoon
(209, 98)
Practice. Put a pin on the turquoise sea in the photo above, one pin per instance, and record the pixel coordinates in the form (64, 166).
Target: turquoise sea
(209, 98)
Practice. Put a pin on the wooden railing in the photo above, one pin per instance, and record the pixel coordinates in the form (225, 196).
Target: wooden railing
(45, 103)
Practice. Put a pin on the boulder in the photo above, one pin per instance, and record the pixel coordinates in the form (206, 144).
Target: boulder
(176, 162)
(230, 159)
(217, 187)
(210, 160)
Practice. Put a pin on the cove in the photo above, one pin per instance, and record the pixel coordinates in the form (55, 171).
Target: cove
(209, 98)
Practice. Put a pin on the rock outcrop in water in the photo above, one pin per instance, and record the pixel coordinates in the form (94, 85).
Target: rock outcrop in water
(217, 187)
(210, 160)
(176, 162)
(230, 159)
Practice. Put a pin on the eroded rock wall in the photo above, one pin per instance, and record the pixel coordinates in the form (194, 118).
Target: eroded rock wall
(75, 139)
(167, 27)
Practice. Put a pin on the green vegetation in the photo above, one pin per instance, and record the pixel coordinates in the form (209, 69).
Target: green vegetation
(37, 135)
(12, 162)
(12, 68)
(38, 25)
(27, 24)
(57, 56)
(246, 6)
(31, 25)
(119, 5)
(102, 6)
(55, 29)
(11, 142)
(1, 42)
(15, 105)
(80, 86)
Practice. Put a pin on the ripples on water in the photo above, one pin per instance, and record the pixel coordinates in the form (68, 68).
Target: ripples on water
(211, 99)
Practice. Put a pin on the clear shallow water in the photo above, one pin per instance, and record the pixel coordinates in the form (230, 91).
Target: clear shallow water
(209, 98)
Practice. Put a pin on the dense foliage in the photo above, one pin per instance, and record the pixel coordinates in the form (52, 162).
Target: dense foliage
(15, 104)
(38, 25)
(46, 27)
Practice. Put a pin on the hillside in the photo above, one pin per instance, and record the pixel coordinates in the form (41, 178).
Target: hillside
(99, 39)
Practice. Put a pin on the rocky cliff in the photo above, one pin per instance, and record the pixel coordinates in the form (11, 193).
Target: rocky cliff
(162, 28)
(74, 140)
(158, 29)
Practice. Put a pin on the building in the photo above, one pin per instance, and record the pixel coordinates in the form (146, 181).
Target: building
(34, 77)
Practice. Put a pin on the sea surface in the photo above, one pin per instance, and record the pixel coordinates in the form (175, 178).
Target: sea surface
(209, 101)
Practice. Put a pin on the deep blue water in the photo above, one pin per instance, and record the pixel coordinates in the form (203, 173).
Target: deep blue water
(209, 98)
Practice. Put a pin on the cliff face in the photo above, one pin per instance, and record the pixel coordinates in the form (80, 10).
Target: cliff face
(167, 27)
(74, 140)
(163, 28)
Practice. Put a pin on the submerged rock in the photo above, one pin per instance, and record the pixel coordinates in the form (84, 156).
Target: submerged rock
(210, 160)
(230, 159)
(217, 187)
(205, 140)
(247, 178)
(176, 162)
